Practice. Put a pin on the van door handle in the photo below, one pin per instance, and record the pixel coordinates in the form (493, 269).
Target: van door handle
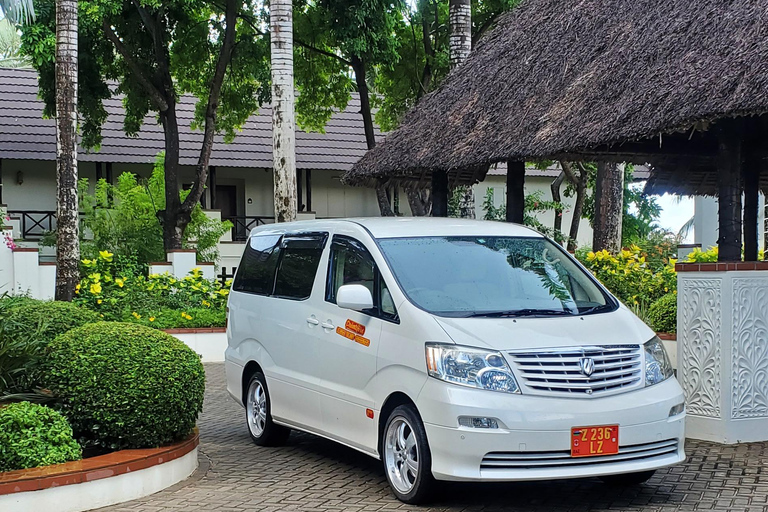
(313, 321)
(328, 325)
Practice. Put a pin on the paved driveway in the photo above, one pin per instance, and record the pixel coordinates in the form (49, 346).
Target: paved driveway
(314, 474)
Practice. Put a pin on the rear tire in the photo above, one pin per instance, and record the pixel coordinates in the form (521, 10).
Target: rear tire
(627, 479)
(406, 456)
(258, 414)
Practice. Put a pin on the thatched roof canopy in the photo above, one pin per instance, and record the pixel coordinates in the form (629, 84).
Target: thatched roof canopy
(621, 80)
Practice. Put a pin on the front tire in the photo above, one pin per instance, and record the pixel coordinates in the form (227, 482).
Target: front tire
(406, 457)
(627, 479)
(258, 407)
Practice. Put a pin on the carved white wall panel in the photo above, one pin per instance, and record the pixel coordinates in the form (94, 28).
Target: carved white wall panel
(750, 348)
(700, 335)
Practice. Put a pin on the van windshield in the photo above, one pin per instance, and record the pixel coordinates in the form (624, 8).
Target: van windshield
(492, 277)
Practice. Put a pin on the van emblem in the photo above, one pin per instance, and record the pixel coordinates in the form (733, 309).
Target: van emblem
(587, 366)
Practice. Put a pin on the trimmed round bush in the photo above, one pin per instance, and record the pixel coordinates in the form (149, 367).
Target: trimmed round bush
(663, 314)
(47, 319)
(124, 385)
(33, 435)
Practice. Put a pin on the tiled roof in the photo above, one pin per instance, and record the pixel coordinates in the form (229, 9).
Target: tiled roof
(24, 134)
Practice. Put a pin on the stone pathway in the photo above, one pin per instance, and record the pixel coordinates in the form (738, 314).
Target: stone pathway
(311, 473)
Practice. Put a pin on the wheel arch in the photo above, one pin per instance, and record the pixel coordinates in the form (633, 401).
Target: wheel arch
(393, 401)
(250, 369)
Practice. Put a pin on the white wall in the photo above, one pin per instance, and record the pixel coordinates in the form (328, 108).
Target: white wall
(706, 222)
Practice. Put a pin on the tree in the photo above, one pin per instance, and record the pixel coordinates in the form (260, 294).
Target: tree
(609, 207)
(156, 51)
(10, 47)
(17, 11)
(67, 217)
(335, 37)
(579, 178)
(283, 130)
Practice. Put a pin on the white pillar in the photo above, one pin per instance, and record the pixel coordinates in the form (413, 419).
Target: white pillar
(722, 334)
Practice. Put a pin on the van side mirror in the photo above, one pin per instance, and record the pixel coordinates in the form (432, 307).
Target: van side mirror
(355, 297)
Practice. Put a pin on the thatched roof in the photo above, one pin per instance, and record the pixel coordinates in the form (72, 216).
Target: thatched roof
(586, 79)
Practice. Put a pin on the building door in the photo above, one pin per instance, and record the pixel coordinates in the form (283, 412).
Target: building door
(226, 201)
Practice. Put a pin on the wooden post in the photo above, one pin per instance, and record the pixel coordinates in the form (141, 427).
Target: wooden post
(212, 186)
(609, 207)
(729, 201)
(515, 191)
(751, 175)
(439, 194)
(309, 190)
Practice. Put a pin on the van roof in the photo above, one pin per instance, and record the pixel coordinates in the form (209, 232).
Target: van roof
(395, 227)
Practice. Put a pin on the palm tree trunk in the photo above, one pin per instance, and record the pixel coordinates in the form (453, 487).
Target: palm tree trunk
(609, 207)
(460, 43)
(67, 222)
(283, 124)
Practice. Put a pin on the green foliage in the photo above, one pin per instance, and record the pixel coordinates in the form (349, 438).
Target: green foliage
(534, 205)
(123, 219)
(663, 314)
(124, 385)
(47, 319)
(641, 212)
(10, 47)
(33, 435)
(630, 276)
(19, 348)
(699, 256)
(423, 55)
(192, 35)
(158, 300)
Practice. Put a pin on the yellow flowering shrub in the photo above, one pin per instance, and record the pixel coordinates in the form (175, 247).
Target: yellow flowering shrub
(631, 277)
(156, 300)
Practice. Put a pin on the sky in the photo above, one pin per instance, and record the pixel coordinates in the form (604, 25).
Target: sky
(675, 212)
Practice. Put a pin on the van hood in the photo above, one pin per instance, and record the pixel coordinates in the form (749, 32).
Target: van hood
(614, 328)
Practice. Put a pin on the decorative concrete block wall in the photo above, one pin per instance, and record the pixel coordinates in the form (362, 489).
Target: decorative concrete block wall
(180, 263)
(722, 334)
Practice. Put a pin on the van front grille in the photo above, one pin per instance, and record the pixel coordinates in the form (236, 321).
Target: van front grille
(585, 371)
(542, 460)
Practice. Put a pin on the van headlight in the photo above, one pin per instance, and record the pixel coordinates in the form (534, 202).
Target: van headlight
(472, 367)
(658, 367)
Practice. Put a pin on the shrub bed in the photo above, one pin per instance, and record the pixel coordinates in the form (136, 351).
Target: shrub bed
(160, 301)
(124, 385)
(663, 314)
(32, 435)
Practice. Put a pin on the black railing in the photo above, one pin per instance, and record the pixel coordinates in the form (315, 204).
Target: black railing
(34, 223)
(243, 224)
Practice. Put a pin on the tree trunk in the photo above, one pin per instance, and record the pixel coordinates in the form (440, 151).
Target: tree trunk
(419, 201)
(729, 163)
(439, 194)
(173, 223)
(609, 207)
(751, 210)
(555, 188)
(460, 44)
(358, 66)
(283, 126)
(515, 192)
(67, 219)
(580, 182)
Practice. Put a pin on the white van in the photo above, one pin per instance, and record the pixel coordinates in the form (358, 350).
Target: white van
(451, 350)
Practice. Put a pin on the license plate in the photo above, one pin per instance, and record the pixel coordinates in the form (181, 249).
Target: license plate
(594, 441)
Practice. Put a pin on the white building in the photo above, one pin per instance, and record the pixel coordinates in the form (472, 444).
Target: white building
(240, 183)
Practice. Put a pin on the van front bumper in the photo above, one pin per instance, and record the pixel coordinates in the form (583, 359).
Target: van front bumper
(533, 441)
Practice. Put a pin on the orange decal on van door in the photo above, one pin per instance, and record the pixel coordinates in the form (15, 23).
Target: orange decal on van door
(355, 327)
(343, 332)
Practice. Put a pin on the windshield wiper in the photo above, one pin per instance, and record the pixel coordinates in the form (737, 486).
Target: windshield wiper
(520, 312)
(596, 309)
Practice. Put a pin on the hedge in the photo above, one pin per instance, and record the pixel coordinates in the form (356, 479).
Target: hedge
(124, 385)
(33, 435)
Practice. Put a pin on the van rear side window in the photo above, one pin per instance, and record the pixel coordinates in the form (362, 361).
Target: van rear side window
(256, 273)
(298, 266)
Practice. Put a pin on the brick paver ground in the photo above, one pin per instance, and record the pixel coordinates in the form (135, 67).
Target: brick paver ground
(315, 474)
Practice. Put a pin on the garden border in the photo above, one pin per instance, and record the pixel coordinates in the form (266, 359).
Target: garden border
(209, 342)
(137, 473)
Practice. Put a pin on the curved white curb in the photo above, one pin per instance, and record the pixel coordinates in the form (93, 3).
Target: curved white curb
(105, 491)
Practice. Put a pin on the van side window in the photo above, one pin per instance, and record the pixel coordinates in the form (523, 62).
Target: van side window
(351, 263)
(256, 273)
(300, 257)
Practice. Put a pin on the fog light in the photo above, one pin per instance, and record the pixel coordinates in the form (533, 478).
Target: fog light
(472, 422)
(678, 409)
